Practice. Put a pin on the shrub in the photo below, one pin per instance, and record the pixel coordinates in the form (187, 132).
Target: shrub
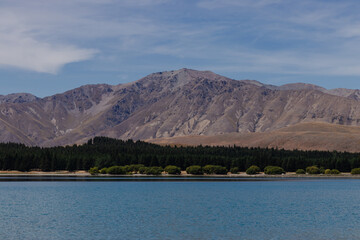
(172, 169)
(127, 168)
(234, 170)
(220, 170)
(214, 169)
(209, 169)
(103, 171)
(116, 170)
(355, 171)
(333, 171)
(273, 170)
(94, 170)
(313, 170)
(195, 169)
(142, 170)
(253, 170)
(300, 171)
(134, 167)
(322, 170)
(154, 170)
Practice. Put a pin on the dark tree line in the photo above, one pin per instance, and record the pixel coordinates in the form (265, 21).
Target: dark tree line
(105, 152)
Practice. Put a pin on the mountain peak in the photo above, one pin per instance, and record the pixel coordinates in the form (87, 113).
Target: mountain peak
(177, 78)
(188, 73)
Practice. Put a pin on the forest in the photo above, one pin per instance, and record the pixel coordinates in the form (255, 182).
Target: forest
(105, 152)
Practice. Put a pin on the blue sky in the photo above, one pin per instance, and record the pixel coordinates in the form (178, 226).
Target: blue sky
(50, 46)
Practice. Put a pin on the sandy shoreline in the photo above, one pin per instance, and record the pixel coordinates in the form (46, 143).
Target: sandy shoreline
(183, 174)
(40, 173)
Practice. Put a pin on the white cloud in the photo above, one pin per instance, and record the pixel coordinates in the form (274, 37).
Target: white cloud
(41, 35)
(269, 36)
(21, 48)
(27, 53)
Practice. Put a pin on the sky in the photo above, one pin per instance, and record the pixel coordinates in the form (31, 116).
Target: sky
(51, 46)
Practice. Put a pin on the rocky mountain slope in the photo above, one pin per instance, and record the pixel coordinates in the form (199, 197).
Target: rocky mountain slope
(169, 104)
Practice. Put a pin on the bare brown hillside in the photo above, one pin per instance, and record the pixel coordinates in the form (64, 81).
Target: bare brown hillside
(303, 136)
(171, 104)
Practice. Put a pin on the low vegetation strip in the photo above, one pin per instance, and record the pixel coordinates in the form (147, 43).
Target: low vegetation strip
(273, 170)
(102, 152)
(208, 170)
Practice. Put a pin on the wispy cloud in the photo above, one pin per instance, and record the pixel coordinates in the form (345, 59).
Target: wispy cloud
(43, 36)
(24, 52)
(309, 37)
(39, 35)
(292, 37)
(21, 48)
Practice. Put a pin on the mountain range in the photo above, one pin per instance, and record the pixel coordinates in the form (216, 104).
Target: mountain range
(176, 106)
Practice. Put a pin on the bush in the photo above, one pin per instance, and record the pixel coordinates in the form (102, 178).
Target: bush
(253, 170)
(300, 171)
(134, 167)
(195, 170)
(116, 170)
(94, 170)
(172, 169)
(127, 168)
(333, 171)
(154, 170)
(355, 171)
(322, 170)
(273, 170)
(214, 169)
(142, 170)
(313, 170)
(234, 170)
(103, 170)
(220, 170)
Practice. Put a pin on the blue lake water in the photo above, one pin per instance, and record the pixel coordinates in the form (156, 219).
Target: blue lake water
(301, 209)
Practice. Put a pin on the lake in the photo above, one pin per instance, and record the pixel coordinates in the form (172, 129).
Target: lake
(154, 209)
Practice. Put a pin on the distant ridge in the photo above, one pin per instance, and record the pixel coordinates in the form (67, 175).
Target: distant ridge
(170, 104)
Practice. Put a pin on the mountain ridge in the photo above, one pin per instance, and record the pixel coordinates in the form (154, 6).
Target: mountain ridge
(170, 104)
(343, 92)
